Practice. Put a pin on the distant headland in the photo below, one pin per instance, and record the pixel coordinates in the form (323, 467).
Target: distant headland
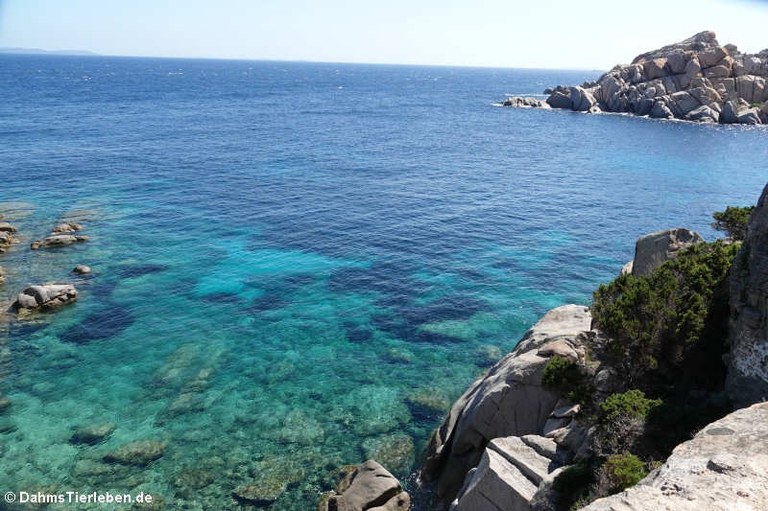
(39, 51)
(694, 80)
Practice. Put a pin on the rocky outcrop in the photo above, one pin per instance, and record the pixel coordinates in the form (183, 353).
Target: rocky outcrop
(7, 236)
(653, 250)
(45, 297)
(61, 235)
(57, 240)
(509, 401)
(748, 362)
(725, 466)
(368, 486)
(82, 269)
(525, 102)
(695, 80)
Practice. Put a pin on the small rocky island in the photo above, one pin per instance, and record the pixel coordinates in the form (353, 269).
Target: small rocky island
(694, 80)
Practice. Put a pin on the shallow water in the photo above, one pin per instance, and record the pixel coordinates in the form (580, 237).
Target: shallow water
(299, 266)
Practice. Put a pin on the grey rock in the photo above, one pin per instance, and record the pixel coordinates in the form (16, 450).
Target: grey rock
(559, 100)
(747, 380)
(57, 240)
(139, 453)
(525, 102)
(725, 466)
(703, 114)
(82, 269)
(729, 115)
(495, 485)
(46, 296)
(93, 434)
(368, 487)
(509, 400)
(66, 228)
(653, 250)
(533, 465)
(660, 110)
(6, 227)
(581, 100)
(749, 116)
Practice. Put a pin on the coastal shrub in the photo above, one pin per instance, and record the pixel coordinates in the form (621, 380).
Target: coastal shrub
(622, 423)
(678, 313)
(567, 378)
(733, 221)
(631, 403)
(619, 472)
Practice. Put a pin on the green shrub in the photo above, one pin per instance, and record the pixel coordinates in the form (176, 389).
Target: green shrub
(653, 323)
(733, 221)
(567, 378)
(619, 472)
(631, 403)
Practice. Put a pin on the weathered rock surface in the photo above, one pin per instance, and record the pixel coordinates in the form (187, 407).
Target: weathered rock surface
(692, 80)
(45, 297)
(508, 401)
(140, 453)
(653, 250)
(67, 228)
(7, 236)
(525, 102)
(368, 487)
(724, 467)
(747, 380)
(57, 240)
(2, 275)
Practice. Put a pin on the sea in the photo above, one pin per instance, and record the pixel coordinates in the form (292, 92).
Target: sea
(300, 266)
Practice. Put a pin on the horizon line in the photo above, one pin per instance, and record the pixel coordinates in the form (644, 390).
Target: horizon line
(88, 53)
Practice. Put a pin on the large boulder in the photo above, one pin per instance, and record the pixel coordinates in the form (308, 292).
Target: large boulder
(509, 400)
(46, 297)
(653, 250)
(725, 466)
(748, 366)
(369, 486)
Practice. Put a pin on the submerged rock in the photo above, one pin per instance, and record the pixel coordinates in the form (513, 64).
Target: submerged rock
(46, 297)
(395, 452)
(2, 275)
(93, 434)
(139, 453)
(367, 486)
(725, 466)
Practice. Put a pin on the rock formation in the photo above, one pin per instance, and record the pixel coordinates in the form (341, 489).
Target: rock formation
(46, 297)
(368, 486)
(653, 250)
(7, 238)
(748, 365)
(509, 401)
(725, 466)
(61, 235)
(696, 80)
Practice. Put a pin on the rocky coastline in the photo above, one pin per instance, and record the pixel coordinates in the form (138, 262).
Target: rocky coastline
(695, 80)
(510, 435)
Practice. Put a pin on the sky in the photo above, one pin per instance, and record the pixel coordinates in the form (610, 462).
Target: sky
(593, 35)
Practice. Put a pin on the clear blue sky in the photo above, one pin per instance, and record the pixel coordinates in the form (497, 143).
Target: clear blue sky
(543, 33)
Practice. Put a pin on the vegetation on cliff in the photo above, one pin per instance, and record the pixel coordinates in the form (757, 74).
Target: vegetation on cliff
(663, 337)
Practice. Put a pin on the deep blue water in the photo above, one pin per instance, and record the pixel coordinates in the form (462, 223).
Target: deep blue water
(299, 266)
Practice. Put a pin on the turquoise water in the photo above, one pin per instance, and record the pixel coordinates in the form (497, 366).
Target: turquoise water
(300, 266)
